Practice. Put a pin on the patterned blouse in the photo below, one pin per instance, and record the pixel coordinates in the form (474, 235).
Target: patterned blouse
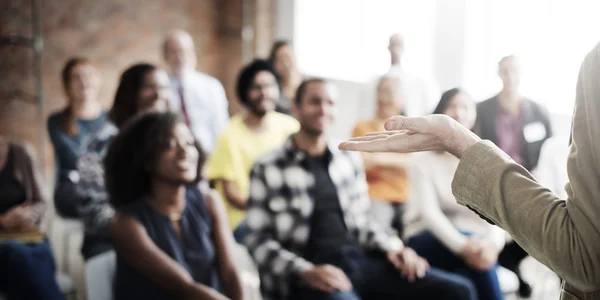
(95, 208)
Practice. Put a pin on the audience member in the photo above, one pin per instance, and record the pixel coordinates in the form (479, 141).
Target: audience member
(200, 98)
(142, 87)
(70, 128)
(250, 134)
(519, 127)
(420, 94)
(26, 260)
(283, 59)
(450, 236)
(172, 241)
(386, 172)
(310, 229)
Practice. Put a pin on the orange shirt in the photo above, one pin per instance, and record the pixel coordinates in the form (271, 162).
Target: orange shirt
(385, 183)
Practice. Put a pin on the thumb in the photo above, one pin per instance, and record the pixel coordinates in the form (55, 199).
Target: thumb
(406, 123)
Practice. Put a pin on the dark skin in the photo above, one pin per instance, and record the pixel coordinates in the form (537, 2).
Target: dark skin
(263, 94)
(167, 196)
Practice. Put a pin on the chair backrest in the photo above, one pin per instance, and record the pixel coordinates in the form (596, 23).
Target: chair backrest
(99, 276)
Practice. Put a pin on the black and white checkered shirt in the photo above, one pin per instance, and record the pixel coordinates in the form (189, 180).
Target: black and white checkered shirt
(280, 208)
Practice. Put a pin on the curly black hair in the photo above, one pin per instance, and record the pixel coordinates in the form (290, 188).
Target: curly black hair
(246, 78)
(132, 154)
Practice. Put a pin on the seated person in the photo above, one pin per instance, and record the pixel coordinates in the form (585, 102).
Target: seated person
(72, 127)
(259, 129)
(386, 172)
(310, 231)
(450, 236)
(27, 269)
(172, 240)
(142, 87)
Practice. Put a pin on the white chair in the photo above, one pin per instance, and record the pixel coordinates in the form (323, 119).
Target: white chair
(509, 282)
(99, 276)
(249, 273)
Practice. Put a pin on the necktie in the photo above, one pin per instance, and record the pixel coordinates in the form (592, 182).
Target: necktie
(183, 107)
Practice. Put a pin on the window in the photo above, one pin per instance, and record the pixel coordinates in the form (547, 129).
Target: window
(551, 38)
(347, 39)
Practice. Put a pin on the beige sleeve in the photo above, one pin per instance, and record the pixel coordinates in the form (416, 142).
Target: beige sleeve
(491, 184)
(564, 235)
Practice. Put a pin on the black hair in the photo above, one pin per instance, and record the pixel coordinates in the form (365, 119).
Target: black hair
(247, 75)
(445, 100)
(301, 90)
(276, 46)
(132, 155)
(125, 104)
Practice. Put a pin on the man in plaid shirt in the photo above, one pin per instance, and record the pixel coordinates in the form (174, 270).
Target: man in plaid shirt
(310, 231)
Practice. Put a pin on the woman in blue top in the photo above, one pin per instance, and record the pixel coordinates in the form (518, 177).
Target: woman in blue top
(70, 128)
(172, 241)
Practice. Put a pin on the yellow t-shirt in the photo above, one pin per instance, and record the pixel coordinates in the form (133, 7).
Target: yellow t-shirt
(238, 148)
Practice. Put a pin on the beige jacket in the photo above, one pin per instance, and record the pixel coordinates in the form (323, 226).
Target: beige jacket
(564, 235)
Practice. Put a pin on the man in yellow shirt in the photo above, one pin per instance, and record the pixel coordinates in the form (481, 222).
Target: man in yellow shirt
(256, 131)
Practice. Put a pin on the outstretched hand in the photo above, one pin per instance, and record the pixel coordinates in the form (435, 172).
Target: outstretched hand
(405, 135)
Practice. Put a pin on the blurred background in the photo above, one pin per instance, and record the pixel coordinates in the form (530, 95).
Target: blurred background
(453, 42)
(450, 43)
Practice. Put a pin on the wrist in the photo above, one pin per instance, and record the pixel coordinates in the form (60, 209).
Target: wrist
(464, 142)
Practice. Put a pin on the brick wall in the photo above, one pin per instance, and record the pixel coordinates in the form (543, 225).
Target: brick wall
(113, 34)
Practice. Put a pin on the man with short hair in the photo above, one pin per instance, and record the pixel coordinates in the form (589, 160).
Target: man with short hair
(259, 129)
(199, 98)
(310, 230)
(519, 127)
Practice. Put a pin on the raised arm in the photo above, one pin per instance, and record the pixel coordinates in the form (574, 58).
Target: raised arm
(138, 250)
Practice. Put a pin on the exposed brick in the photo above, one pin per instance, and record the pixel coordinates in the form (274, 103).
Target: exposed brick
(113, 34)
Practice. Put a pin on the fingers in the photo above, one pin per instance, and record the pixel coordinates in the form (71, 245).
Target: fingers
(395, 260)
(338, 279)
(374, 145)
(406, 123)
(423, 266)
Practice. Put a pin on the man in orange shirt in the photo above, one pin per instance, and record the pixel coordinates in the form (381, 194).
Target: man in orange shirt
(386, 174)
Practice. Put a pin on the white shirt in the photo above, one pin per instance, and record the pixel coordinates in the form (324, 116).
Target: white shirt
(206, 105)
(551, 170)
(432, 206)
(420, 95)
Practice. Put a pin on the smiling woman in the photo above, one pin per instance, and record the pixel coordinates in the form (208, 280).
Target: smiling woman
(152, 169)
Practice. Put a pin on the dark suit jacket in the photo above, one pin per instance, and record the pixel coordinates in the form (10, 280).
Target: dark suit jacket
(532, 112)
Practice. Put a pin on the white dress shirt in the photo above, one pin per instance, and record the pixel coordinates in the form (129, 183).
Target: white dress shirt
(206, 105)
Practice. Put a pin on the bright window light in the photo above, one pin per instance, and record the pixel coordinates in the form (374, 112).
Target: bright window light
(347, 39)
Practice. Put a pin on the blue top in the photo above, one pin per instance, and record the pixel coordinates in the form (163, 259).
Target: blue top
(67, 149)
(195, 251)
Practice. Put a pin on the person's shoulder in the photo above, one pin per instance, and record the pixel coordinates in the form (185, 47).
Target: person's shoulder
(285, 121)
(100, 140)
(487, 102)
(275, 156)
(55, 118)
(206, 79)
(234, 127)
